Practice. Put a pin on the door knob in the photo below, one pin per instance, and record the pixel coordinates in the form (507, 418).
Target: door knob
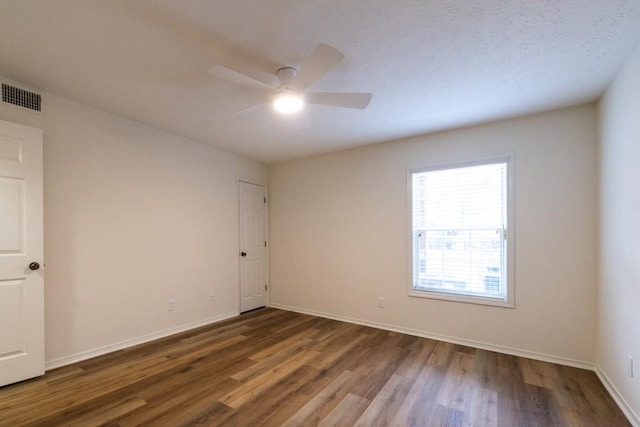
(34, 266)
(243, 254)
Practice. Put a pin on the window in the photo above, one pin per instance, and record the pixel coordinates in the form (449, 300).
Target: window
(461, 231)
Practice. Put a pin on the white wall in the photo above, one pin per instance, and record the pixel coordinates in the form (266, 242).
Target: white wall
(338, 225)
(619, 297)
(133, 216)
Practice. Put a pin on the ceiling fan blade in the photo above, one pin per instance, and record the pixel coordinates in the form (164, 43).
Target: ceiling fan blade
(246, 111)
(357, 100)
(322, 59)
(238, 78)
(242, 109)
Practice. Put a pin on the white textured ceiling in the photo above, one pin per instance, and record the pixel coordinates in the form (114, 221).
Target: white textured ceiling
(431, 65)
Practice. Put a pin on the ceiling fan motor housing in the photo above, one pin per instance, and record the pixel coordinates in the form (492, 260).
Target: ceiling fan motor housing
(285, 75)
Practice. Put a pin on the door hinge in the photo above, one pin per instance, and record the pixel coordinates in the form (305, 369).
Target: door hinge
(265, 287)
(265, 243)
(265, 200)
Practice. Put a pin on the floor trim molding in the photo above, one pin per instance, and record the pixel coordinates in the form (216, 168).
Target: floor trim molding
(633, 418)
(84, 355)
(617, 397)
(446, 338)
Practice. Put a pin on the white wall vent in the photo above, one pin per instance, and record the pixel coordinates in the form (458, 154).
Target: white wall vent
(21, 97)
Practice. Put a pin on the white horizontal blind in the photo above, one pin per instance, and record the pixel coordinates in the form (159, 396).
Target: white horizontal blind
(459, 220)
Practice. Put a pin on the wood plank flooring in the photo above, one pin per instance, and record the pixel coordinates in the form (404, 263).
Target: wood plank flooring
(278, 368)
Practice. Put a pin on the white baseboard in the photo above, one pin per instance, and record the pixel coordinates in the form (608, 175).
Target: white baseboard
(78, 357)
(453, 340)
(617, 397)
(633, 418)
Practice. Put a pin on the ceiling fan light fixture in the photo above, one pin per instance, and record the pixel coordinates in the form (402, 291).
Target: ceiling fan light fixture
(288, 102)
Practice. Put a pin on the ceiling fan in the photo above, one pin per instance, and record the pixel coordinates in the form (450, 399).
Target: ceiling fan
(289, 95)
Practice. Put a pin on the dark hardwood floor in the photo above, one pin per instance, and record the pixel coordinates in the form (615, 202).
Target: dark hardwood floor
(273, 367)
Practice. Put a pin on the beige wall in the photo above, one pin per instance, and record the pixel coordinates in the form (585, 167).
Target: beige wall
(339, 235)
(133, 217)
(619, 297)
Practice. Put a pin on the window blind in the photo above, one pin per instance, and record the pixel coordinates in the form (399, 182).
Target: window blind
(459, 230)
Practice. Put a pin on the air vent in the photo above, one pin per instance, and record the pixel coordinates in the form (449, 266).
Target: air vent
(21, 97)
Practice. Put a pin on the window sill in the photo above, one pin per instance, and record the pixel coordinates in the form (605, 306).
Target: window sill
(467, 299)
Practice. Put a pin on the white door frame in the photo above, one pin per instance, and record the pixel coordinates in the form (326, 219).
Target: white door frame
(241, 179)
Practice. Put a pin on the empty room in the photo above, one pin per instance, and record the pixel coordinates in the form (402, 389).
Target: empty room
(239, 213)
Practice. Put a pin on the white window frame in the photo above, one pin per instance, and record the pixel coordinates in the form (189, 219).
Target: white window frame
(476, 160)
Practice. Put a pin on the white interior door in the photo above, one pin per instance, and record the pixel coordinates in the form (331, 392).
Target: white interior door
(21, 253)
(253, 284)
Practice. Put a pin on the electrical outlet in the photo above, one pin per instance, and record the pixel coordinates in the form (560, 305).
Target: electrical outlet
(211, 296)
(171, 305)
(630, 366)
(381, 302)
